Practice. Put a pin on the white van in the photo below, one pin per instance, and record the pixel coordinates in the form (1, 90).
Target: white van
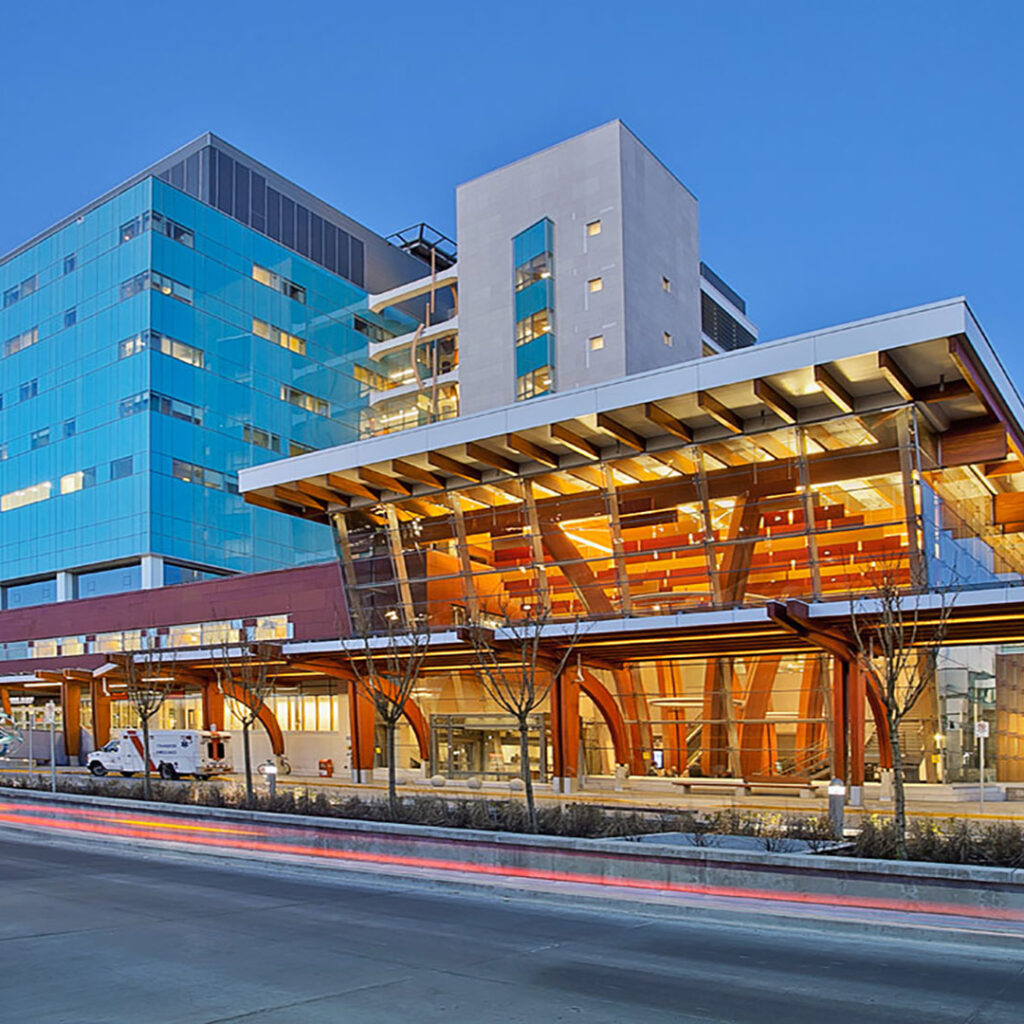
(172, 752)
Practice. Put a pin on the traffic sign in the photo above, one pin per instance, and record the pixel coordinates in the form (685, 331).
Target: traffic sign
(981, 730)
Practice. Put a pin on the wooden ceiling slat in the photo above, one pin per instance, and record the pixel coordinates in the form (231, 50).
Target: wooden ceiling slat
(664, 419)
(492, 459)
(526, 447)
(571, 439)
(781, 406)
(413, 472)
(835, 391)
(622, 433)
(718, 411)
(452, 467)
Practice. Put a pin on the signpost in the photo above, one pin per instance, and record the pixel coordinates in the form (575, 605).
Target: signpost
(981, 734)
(50, 719)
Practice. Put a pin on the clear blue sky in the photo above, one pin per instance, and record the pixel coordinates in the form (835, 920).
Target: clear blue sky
(849, 158)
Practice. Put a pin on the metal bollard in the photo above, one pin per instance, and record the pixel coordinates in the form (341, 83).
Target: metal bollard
(271, 779)
(836, 806)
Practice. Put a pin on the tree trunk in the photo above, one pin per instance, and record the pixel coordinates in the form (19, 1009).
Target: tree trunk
(389, 732)
(147, 786)
(248, 763)
(899, 796)
(524, 766)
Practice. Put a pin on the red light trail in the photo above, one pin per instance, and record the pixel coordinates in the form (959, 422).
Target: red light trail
(311, 843)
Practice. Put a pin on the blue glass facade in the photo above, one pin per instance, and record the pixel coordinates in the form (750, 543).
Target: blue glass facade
(149, 349)
(533, 257)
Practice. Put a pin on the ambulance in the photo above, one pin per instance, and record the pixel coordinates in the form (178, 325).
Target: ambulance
(172, 753)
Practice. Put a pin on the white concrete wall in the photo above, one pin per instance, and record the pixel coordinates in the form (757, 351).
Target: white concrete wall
(648, 231)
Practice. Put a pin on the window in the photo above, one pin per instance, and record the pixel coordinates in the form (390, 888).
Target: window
(70, 262)
(278, 283)
(177, 290)
(78, 480)
(70, 428)
(533, 268)
(667, 338)
(595, 284)
(536, 382)
(131, 346)
(25, 496)
(134, 228)
(594, 228)
(190, 473)
(40, 438)
(109, 581)
(371, 330)
(28, 390)
(120, 468)
(70, 317)
(533, 327)
(163, 404)
(172, 229)
(21, 291)
(177, 349)
(25, 595)
(21, 341)
(160, 224)
(304, 401)
(3, 451)
(278, 336)
(175, 408)
(536, 269)
(161, 343)
(666, 284)
(296, 448)
(187, 471)
(597, 343)
(261, 438)
(159, 282)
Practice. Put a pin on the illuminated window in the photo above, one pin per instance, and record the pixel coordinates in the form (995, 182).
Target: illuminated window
(667, 338)
(304, 400)
(160, 224)
(595, 284)
(537, 382)
(163, 344)
(292, 342)
(261, 438)
(25, 496)
(21, 341)
(536, 269)
(597, 343)
(594, 228)
(278, 283)
(78, 481)
(534, 326)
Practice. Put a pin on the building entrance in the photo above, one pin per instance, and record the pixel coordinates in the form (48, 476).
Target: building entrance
(486, 746)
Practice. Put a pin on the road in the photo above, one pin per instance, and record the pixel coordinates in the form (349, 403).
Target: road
(108, 934)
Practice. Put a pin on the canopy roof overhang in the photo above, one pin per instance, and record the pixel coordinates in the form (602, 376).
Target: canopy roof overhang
(935, 357)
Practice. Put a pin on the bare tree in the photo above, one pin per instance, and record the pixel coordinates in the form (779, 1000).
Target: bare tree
(898, 627)
(386, 667)
(244, 675)
(148, 676)
(518, 672)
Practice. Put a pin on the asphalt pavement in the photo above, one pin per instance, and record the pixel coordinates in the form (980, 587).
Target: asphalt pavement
(94, 935)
